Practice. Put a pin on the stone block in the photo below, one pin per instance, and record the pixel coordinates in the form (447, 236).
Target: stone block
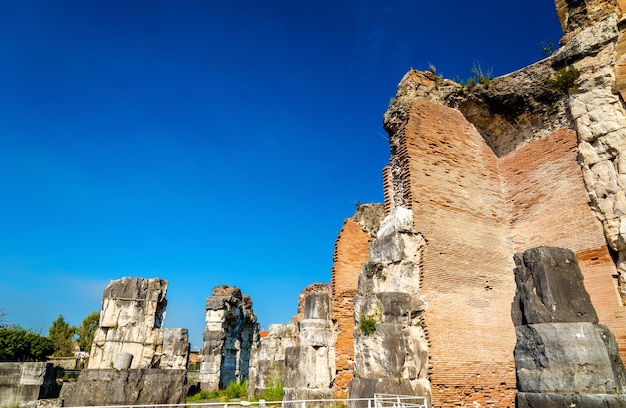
(26, 382)
(617, 365)
(317, 306)
(546, 400)
(367, 387)
(550, 288)
(308, 367)
(129, 387)
(388, 352)
(316, 333)
(175, 352)
(562, 358)
(293, 396)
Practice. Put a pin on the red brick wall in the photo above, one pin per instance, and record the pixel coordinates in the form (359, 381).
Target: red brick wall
(476, 210)
(351, 253)
(457, 202)
(549, 206)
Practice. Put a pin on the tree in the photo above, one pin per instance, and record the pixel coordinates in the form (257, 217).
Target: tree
(87, 329)
(18, 344)
(62, 335)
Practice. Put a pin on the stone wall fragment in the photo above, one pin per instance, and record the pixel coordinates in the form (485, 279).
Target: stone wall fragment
(561, 351)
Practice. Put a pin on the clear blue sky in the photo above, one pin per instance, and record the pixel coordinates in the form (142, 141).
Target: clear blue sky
(208, 142)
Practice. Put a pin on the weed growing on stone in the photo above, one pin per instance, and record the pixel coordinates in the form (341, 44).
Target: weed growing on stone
(479, 76)
(367, 325)
(547, 48)
(274, 391)
(564, 78)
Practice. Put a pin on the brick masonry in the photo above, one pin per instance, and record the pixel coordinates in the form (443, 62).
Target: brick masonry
(351, 253)
(476, 210)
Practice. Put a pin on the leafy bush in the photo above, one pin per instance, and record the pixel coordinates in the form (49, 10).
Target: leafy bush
(367, 325)
(236, 390)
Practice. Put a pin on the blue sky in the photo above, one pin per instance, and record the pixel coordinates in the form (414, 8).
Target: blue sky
(207, 142)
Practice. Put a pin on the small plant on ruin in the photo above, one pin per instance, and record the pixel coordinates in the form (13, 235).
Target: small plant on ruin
(547, 48)
(564, 78)
(274, 390)
(367, 325)
(479, 76)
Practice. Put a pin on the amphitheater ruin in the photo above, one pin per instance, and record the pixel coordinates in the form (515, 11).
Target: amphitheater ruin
(494, 273)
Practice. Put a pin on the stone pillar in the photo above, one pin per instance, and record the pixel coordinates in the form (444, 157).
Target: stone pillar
(267, 360)
(391, 351)
(231, 329)
(310, 366)
(563, 356)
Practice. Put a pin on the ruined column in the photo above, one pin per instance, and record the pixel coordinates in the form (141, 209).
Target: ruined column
(310, 366)
(267, 359)
(391, 351)
(231, 329)
(563, 356)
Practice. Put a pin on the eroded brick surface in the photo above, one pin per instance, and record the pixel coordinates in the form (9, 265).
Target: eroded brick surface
(476, 210)
(351, 252)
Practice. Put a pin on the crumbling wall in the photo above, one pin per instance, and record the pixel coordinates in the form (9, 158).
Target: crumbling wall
(231, 329)
(133, 311)
(133, 359)
(490, 170)
(26, 382)
(267, 359)
(448, 175)
(310, 366)
(351, 253)
(562, 355)
(391, 351)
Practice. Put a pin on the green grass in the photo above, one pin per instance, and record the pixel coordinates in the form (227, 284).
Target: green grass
(274, 391)
(233, 390)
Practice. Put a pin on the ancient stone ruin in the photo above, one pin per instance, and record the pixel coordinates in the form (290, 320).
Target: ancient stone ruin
(563, 356)
(133, 360)
(267, 358)
(391, 351)
(310, 366)
(532, 158)
(231, 330)
(25, 382)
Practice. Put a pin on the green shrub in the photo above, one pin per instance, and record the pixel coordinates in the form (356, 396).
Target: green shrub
(564, 78)
(236, 390)
(367, 325)
(274, 391)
